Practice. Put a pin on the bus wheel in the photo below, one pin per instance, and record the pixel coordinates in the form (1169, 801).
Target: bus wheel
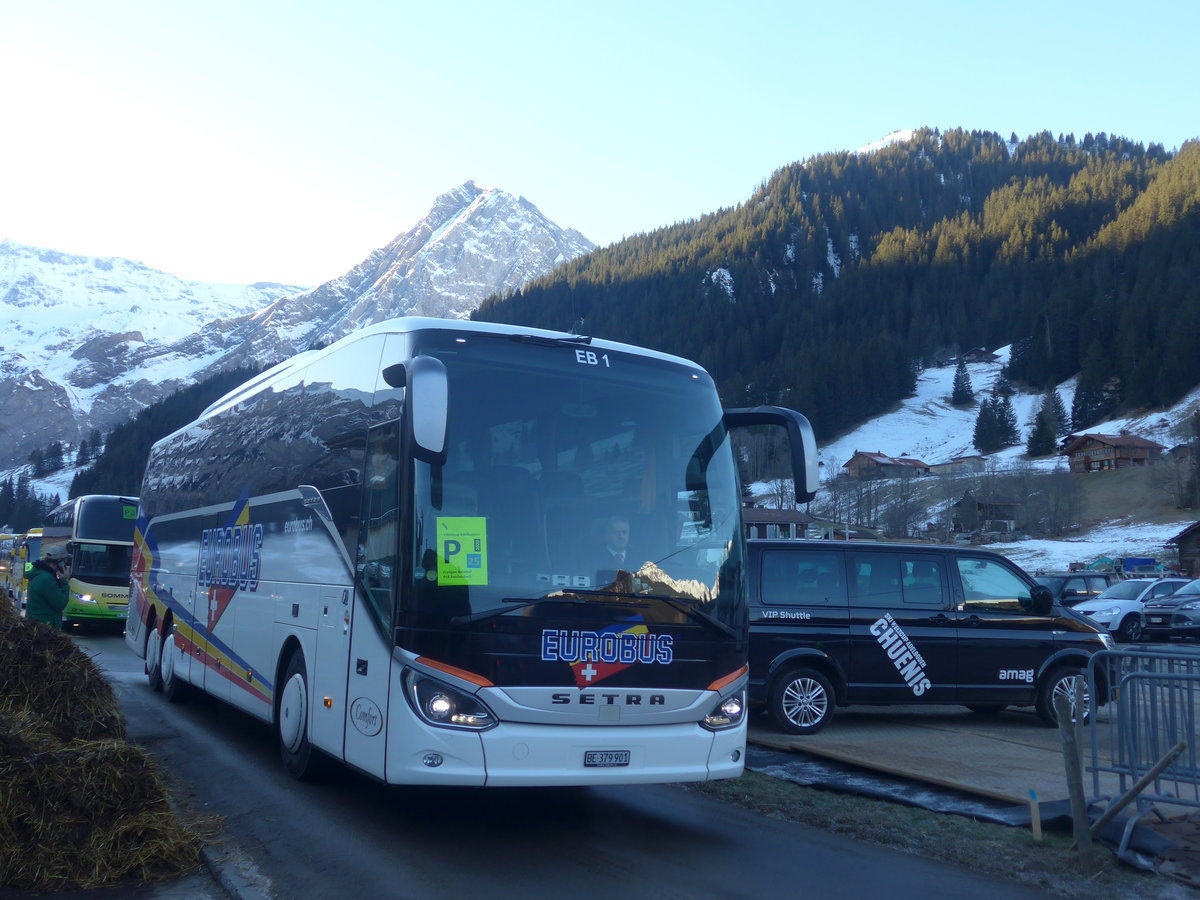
(300, 759)
(153, 652)
(175, 689)
(801, 701)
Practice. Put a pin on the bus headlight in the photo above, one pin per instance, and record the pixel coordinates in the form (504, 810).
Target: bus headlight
(727, 714)
(83, 598)
(440, 704)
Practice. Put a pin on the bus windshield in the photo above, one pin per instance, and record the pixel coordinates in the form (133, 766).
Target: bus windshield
(102, 563)
(572, 475)
(104, 519)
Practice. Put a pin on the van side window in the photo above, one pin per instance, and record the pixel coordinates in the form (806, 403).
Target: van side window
(875, 579)
(924, 581)
(988, 585)
(897, 580)
(802, 578)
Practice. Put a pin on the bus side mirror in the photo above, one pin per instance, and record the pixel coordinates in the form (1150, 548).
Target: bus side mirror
(1042, 600)
(801, 441)
(426, 402)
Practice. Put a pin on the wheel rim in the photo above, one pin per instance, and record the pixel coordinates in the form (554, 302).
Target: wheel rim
(1065, 687)
(1134, 630)
(292, 706)
(805, 702)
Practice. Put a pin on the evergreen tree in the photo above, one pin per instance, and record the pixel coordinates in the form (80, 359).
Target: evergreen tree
(8, 498)
(54, 456)
(37, 463)
(1058, 415)
(1042, 436)
(1008, 432)
(96, 443)
(987, 427)
(962, 394)
(82, 453)
(1091, 403)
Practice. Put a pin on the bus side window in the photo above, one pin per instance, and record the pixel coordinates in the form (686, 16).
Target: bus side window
(379, 523)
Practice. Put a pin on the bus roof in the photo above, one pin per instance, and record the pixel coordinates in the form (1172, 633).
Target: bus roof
(408, 324)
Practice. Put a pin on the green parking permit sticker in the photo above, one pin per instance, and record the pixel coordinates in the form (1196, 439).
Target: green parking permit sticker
(128, 512)
(462, 550)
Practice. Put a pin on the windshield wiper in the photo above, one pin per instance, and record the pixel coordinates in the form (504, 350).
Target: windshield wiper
(523, 603)
(689, 610)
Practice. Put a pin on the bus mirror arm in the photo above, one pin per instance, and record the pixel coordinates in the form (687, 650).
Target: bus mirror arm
(425, 406)
(801, 440)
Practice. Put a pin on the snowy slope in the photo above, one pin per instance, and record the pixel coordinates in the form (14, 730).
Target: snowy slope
(928, 428)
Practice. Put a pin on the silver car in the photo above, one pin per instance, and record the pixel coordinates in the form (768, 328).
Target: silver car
(1119, 608)
(1176, 615)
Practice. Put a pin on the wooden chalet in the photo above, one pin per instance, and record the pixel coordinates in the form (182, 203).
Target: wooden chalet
(879, 465)
(979, 355)
(991, 514)
(1187, 542)
(960, 465)
(1099, 452)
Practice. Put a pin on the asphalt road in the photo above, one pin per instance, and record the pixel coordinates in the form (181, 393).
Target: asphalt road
(354, 836)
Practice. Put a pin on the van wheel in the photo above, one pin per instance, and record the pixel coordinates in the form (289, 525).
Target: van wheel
(801, 701)
(1131, 630)
(300, 759)
(152, 650)
(1063, 681)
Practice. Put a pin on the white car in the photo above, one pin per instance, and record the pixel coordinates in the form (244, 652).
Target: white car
(1119, 607)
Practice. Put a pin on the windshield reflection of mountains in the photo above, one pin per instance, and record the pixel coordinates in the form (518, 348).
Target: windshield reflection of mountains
(272, 441)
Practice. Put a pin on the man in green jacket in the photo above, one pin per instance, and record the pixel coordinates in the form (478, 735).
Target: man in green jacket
(47, 595)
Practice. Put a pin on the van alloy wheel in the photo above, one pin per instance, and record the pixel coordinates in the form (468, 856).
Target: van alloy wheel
(801, 701)
(1063, 682)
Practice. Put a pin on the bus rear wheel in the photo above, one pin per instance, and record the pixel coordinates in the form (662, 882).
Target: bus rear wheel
(300, 759)
(152, 651)
(174, 688)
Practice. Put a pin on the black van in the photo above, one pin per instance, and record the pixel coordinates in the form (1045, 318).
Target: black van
(838, 623)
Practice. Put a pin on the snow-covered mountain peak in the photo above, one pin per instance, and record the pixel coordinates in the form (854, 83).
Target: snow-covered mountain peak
(87, 342)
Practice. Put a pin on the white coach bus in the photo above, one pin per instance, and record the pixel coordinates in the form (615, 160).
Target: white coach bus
(393, 550)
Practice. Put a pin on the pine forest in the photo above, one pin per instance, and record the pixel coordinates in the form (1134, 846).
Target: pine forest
(843, 275)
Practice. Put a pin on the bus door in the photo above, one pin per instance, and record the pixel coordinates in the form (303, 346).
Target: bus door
(372, 602)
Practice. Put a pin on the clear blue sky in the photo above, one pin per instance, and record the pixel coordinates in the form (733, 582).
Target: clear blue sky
(246, 140)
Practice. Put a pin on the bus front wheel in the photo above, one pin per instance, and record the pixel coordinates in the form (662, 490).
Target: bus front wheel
(300, 759)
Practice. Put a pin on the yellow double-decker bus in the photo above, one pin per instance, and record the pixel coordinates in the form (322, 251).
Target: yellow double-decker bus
(97, 530)
(8, 551)
(25, 549)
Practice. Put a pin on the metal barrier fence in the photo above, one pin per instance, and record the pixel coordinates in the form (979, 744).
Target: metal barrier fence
(1153, 707)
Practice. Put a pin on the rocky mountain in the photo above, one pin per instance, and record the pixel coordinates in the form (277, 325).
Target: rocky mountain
(87, 342)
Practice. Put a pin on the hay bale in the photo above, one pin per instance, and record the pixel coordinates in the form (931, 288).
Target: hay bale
(78, 805)
(42, 670)
(87, 813)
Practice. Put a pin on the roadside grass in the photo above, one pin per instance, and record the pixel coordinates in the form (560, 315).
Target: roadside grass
(1002, 851)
